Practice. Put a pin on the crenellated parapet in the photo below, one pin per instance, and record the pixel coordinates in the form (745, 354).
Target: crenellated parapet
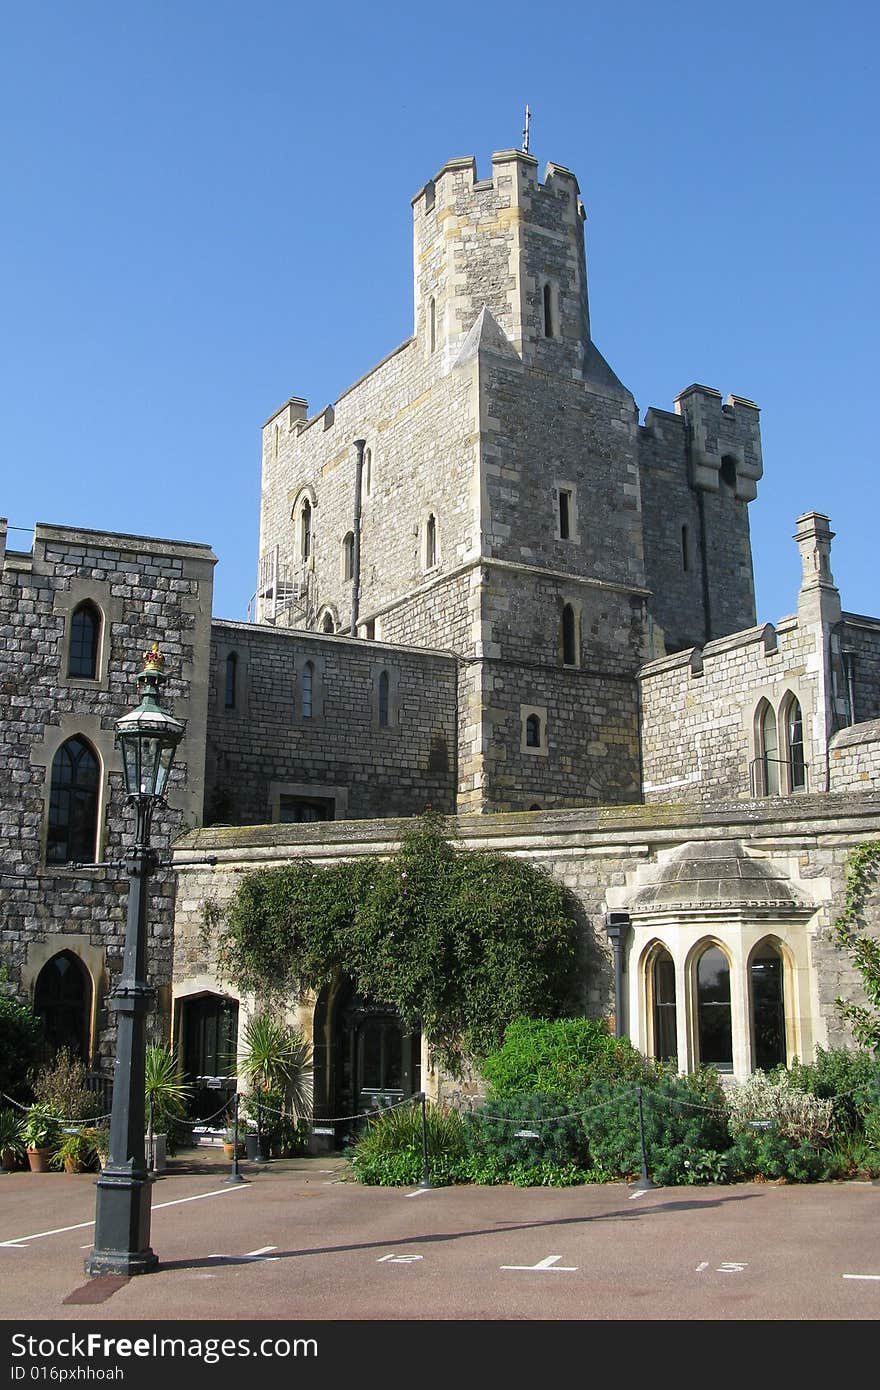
(509, 243)
(725, 440)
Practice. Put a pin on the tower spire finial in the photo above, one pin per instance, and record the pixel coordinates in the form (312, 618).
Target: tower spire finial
(525, 143)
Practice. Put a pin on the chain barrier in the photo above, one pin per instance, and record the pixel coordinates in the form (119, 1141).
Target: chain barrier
(59, 1118)
(341, 1119)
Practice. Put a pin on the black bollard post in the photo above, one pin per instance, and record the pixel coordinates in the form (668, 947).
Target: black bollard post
(235, 1175)
(426, 1175)
(644, 1181)
(259, 1158)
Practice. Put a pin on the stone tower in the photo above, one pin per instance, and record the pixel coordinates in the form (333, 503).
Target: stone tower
(480, 490)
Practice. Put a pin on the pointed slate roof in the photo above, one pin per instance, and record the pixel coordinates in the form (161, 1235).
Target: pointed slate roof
(598, 372)
(486, 335)
(706, 874)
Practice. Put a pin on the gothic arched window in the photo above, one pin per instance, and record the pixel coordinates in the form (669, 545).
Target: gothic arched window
(533, 731)
(767, 739)
(348, 555)
(73, 804)
(305, 530)
(713, 1010)
(85, 635)
(768, 1007)
(63, 1000)
(794, 738)
(664, 1017)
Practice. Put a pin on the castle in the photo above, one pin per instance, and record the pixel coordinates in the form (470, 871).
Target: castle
(483, 586)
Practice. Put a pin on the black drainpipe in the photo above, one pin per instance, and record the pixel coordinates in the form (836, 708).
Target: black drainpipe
(616, 929)
(360, 445)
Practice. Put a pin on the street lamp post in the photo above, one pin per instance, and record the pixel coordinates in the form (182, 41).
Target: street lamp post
(148, 737)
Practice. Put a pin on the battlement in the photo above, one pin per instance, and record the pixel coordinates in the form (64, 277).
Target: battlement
(508, 243)
(461, 174)
(725, 440)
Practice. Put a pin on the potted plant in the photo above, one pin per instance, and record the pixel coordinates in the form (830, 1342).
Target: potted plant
(100, 1137)
(39, 1133)
(276, 1065)
(11, 1142)
(167, 1095)
(229, 1142)
(73, 1152)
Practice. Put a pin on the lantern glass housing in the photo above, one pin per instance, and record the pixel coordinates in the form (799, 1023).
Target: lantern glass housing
(148, 738)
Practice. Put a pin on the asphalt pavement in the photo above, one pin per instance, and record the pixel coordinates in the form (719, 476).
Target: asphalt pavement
(298, 1240)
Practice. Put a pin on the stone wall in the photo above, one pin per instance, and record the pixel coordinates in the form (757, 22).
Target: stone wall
(145, 590)
(862, 637)
(854, 758)
(265, 746)
(600, 856)
(699, 472)
(699, 708)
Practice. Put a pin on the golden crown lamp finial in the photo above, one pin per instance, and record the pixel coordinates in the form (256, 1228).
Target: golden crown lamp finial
(153, 659)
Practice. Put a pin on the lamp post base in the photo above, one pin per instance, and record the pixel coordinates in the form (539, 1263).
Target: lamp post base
(122, 1227)
(120, 1262)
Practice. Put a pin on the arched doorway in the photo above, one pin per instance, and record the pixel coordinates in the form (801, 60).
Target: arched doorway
(364, 1056)
(63, 1000)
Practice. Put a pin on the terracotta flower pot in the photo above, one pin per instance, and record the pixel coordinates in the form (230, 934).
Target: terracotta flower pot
(38, 1160)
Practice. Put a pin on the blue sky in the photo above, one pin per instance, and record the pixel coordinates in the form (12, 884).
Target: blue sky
(206, 210)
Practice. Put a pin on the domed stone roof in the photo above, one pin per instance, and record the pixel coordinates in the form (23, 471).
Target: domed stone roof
(715, 873)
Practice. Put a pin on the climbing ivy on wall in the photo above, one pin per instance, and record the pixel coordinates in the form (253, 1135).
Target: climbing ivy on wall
(461, 941)
(862, 871)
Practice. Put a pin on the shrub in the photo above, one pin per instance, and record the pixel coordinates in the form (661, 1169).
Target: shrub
(389, 1150)
(793, 1114)
(765, 1154)
(61, 1086)
(22, 1046)
(685, 1118)
(496, 1131)
(559, 1056)
(849, 1077)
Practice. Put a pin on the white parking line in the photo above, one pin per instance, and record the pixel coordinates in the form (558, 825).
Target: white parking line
(861, 1276)
(548, 1264)
(15, 1242)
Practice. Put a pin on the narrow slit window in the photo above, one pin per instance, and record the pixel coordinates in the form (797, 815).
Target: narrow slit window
(432, 324)
(548, 311)
(305, 532)
(564, 514)
(685, 550)
(569, 636)
(230, 697)
(308, 690)
(348, 556)
(431, 542)
(383, 700)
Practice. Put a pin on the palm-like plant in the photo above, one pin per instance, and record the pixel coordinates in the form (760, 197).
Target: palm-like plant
(166, 1093)
(11, 1142)
(278, 1058)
